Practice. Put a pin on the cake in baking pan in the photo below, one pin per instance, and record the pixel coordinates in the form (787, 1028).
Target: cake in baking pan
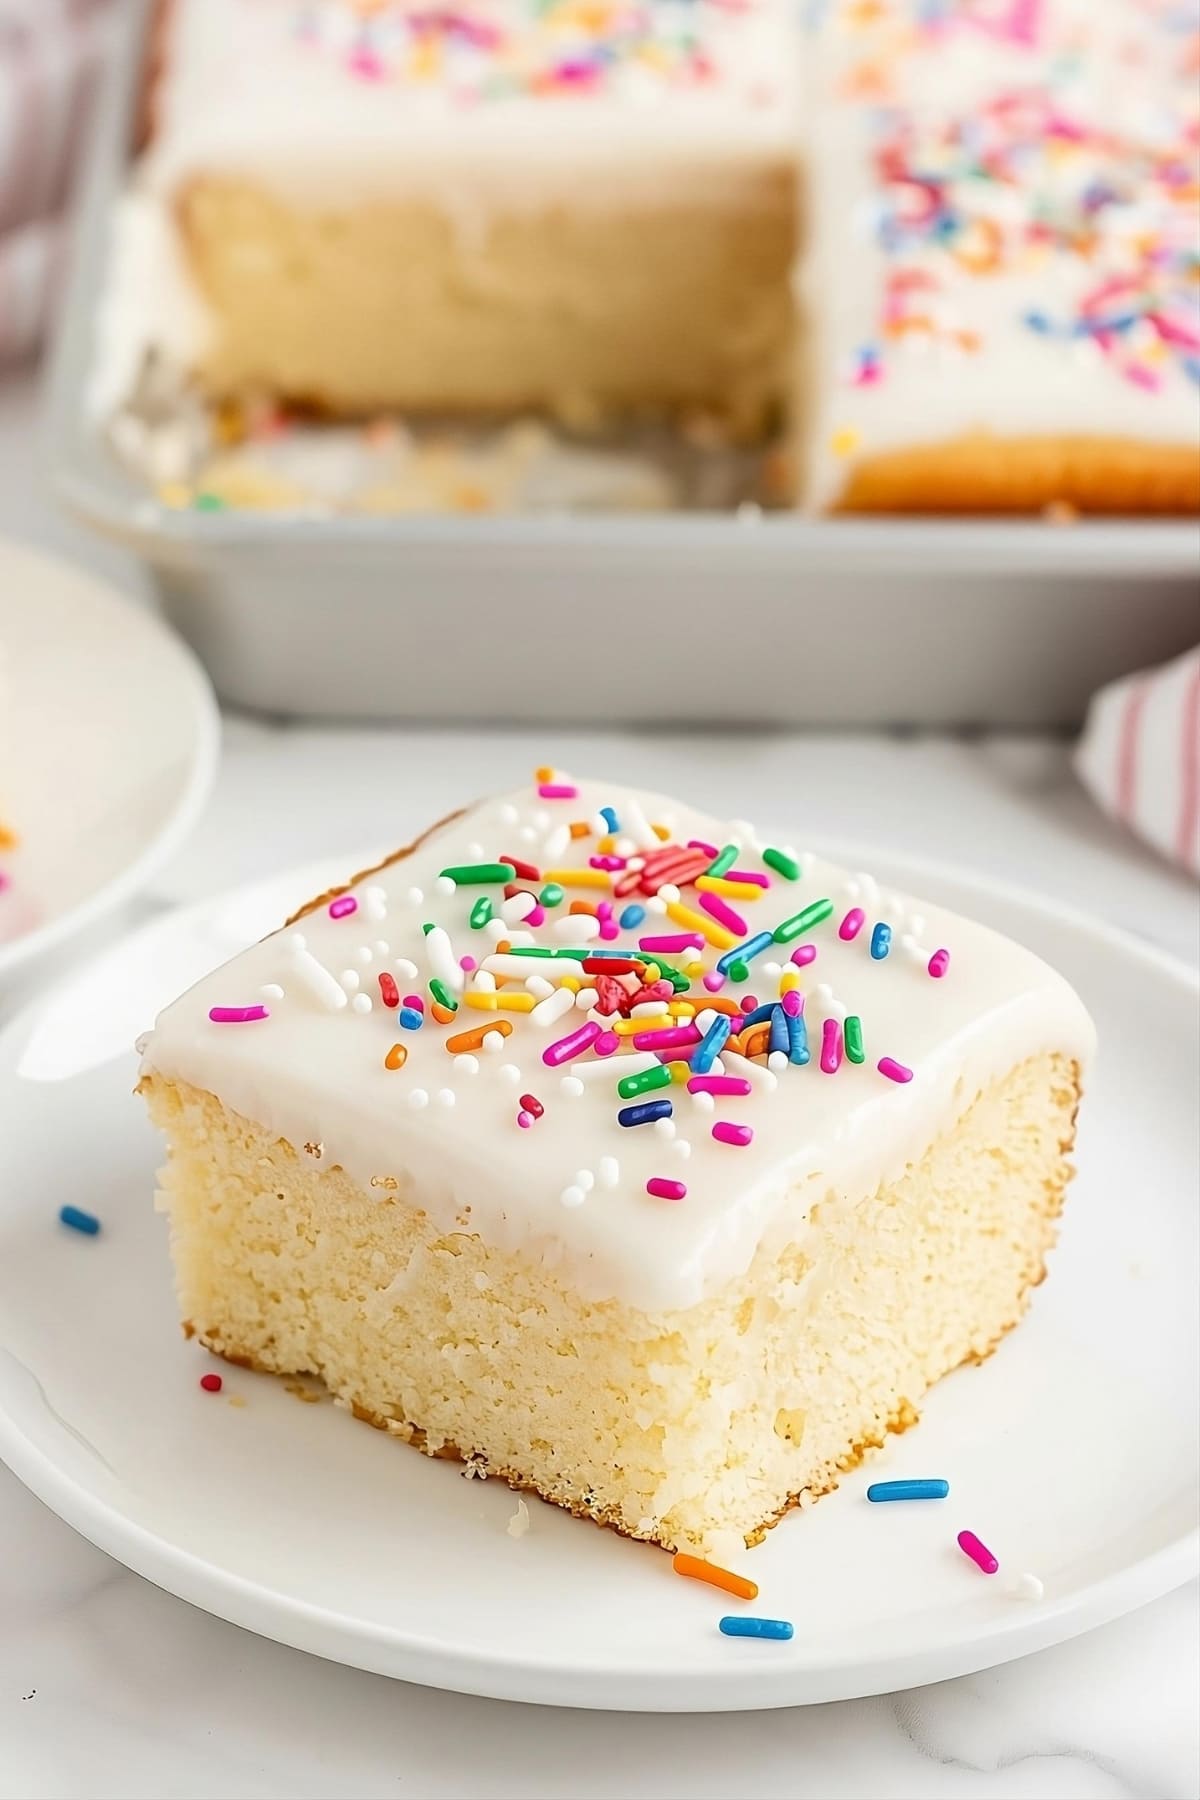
(619, 1152)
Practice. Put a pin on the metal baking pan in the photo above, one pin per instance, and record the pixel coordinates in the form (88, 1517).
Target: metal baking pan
(707, 618)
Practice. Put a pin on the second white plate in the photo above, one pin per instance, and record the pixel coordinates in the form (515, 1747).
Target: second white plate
(1072, 1452)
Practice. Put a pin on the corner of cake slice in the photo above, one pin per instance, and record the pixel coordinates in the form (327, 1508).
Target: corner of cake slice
(646, 1165)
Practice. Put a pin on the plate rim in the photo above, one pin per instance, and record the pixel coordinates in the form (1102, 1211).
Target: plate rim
(194, 793)
(746, 1685)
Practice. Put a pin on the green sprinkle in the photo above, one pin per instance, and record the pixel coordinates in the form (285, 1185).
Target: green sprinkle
(738, 971)
(481, 912)
(208, 503)
(551, 895)
(442, 994)
(537, 950)
(678, 980)
(479, 874)
(428, 926)
(852, 1033)
(630, 1086)
(782, 863)
(803, 921)
(725, 861)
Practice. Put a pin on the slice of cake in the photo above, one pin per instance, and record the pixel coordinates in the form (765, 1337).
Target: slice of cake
(1006, 242)
(647, 1165)
(583, 208)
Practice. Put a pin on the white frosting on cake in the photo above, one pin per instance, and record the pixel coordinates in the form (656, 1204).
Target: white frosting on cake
(988, 175)
(570, 1189)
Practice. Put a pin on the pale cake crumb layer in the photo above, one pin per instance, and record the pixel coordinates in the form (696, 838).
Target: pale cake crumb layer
(689, 1427)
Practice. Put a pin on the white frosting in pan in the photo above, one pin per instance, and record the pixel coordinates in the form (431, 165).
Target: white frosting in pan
(988, 177)
(570, 1190)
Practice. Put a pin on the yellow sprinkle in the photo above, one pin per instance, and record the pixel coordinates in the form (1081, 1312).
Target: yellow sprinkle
(789, 981)
(627, 1027)
(482, 1002)
(714, 934)
(661, 833)
(573, 982)
(516, 1002)
(732, 890)
(680, 1071)
(585, 878)
(175, 493)
(605, 846)
(681, 1009)
(843, 442)
(652, 973)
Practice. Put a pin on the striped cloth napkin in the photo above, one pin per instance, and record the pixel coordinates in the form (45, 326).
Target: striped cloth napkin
(50, 52)
(1139, 756)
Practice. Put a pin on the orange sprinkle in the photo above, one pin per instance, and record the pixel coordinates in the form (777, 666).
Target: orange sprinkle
(443, 1014)
(755, 1040)
(503, 947)
(580, 828)
(698, 1570)
(543, 774)
(396, 1057)
(582, 906)
(473, 1039)
(661, 833)
(714, 1003)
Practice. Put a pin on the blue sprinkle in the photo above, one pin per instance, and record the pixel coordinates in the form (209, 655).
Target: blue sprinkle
(758, 1015)
(711, 1044)
(743, 952)
(908, 1490)
(1038, 321)
(797, 1039)
(631, 918)
(78, 1220)
(781, 1037)
(646, 1113)
(1192, 366)
(881, 941)
(410, 1018)
(610, 819)
(738, 1625)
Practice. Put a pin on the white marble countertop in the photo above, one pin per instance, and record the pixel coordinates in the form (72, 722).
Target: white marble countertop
(109, 1687)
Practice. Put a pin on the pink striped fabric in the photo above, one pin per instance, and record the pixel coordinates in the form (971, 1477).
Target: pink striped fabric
(1139, 756)
(50, 51)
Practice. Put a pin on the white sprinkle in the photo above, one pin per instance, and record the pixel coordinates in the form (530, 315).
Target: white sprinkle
(361, 1003)
(375, 904)
(518, 1525)
(646, 1009)
(507, 814)
(522, 967)
(527, 834)
(705, 1018)
(555, 846)
(518, 907)
(554, 1007)
(316, 978)
(366, 955)
(585, 1179)
(524, 938)
(868, 887)
(1027, 1587)
(584, 998)
(852, 889)
(609, 1171)
(772, 970)
(495, 929)
(636, 825)
(466, 1065)
(664, 1128)
(625, 846)
(541, 820)
(475, 851)
(417, 1098)
(482, 982)
(572, 1196)
(405, 969)
(577, 927)
(917, 924)
(668, 892)
(632, 862)
(271, 990)
(298, 941)
(381, 947)
(509, 1071)
(703, 1102)
(349, 979)
(571, 1087)
(445, 884)
(493, 1042)
(414, 896)
(682, 1147)
(538, 986)
(442, 960)
(656, 904)
(691, 958)
(446, 1096)
(777, 1061)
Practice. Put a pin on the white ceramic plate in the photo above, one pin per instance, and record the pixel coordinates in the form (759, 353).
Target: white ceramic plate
(1072, 1452)
(108, 743)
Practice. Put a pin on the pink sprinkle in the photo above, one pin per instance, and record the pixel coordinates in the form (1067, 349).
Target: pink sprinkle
(831, 1047)
(467, 964)
(749, 1002)
(979, 1553)
(852, 924)
(750, 875)
(609, 931)
(604, 909)
(536, 917)
(557, 790)
(714, 981)
(793, 1003)
(716, 909)
(4, 882)
(415, 1001)
(718, 1084)
(237, 1015)
(667, 1038)
(803, 954)
(606, 862)
(607, 1044)
(662, 1189)
(727, 1133)
(895, 1071)
(211, 1384)
(710, 850)
(343, 906)
(939, 962)
(524, 1119)
(566, 1049)
(673, 943)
